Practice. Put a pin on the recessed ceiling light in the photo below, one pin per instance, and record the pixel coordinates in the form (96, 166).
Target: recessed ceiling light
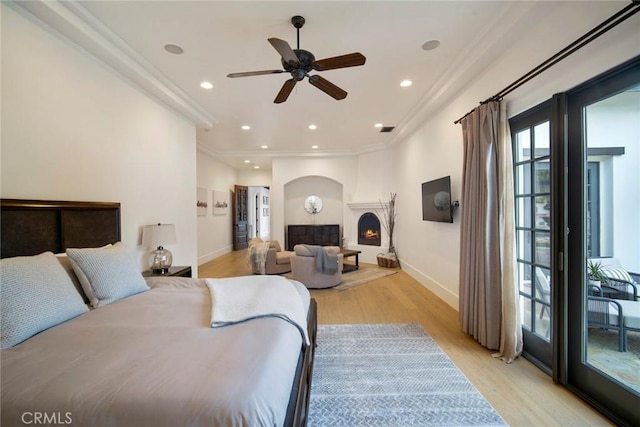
(206, 85)
(378, 125)
(313, 127)
(264, 147)
(256, 167)
(406, 83)
(172, 48)
(431, 44)
(246, 127)
(314, 147)
(247, 161)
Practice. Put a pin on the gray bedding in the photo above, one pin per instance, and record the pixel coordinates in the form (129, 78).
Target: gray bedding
(152, 359)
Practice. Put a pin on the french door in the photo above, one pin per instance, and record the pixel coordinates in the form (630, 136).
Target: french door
(531, 138)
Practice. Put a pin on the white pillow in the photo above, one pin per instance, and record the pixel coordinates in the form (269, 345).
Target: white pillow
(107, 274)
(65, 262)
(36, 294)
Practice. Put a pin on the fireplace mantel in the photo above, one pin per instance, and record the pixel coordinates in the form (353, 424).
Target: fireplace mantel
(368, 205)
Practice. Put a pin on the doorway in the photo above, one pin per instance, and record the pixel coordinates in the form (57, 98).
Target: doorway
(251, 215)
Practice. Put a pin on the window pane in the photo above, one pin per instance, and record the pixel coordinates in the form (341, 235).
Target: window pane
(523, 179)
(542, 177)
(524, 276)
(543, 212)
(523, 146)
(523, 212)
(526, 312)
(543, 248)
(543, 284)
(524, 245)
(542, 320)
(541, 139)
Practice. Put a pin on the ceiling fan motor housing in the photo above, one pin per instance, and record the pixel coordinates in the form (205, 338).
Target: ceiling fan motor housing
(299, 71)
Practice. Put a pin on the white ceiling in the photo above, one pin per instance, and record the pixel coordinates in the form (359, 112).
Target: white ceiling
(222, 37)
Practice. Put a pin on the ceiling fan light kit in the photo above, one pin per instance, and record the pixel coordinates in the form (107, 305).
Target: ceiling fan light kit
(299, 63)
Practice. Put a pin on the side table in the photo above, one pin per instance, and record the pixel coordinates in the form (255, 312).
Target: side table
(177, 271)
(348, 253)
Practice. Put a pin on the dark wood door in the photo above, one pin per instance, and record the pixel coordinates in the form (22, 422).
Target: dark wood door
(240, 215)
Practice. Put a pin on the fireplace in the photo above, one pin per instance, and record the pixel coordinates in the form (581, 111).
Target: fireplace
(369, 230)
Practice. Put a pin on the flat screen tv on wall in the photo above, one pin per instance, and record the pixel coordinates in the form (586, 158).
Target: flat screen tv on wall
(436, 200)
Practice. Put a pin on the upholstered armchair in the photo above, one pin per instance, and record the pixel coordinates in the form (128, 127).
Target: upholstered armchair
(268, 257)
(305, 270)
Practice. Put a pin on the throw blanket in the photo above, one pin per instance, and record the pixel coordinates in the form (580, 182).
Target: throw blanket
(240, 299)
(258, 256)
(326, 263)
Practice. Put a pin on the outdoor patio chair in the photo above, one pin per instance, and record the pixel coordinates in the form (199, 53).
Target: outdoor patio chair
(621, 284)
(619, 315)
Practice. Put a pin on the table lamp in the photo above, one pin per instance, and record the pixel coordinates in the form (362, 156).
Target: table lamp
(155, 236)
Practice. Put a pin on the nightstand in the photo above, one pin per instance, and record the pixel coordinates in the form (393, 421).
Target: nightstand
(180, 271)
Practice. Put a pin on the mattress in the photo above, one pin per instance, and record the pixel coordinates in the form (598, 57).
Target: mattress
(152, 359)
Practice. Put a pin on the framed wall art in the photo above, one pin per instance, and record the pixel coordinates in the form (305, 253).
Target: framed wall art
(220, 202)
(201, 203)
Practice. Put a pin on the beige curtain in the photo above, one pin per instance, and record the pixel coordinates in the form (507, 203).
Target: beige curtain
(489, 309)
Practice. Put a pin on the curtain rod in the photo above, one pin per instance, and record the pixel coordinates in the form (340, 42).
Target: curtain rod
(588, 37)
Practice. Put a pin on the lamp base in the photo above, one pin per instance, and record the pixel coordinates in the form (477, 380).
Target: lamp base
(160, 260)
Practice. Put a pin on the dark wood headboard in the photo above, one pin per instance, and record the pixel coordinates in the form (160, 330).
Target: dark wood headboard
(30, 227)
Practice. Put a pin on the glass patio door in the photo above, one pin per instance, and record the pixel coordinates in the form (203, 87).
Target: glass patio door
(603, 211)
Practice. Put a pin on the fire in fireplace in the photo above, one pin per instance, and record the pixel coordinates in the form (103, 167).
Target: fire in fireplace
(369, 230)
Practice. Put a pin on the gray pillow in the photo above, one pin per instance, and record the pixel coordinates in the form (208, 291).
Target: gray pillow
(107, 274)
(36, 294)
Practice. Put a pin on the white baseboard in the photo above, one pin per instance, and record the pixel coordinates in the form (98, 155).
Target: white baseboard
(445, 294)
(213, 255)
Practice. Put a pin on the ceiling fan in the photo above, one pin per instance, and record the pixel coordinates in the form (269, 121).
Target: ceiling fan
(299, 62)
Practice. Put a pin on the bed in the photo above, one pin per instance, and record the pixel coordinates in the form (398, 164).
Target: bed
(150, 358)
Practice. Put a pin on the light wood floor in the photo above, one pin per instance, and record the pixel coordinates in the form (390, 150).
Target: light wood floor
(520, 392)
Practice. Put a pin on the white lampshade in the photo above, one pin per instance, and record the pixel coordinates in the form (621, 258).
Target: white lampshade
(155, 236)
(158, 235)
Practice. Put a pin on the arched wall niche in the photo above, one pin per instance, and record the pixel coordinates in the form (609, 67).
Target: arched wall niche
(297, 190)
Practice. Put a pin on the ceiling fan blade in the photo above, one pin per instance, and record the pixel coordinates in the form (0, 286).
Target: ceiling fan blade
(343, 61)
(284, 50)
(327, 87)
(286, 89)
(255, 73)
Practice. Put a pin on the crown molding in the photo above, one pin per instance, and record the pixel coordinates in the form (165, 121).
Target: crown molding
(368, 205)
(77, 24)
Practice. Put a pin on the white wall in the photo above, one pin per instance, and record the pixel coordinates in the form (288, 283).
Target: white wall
(74, 130)
(430, 251)
(214, 231)
(615, 122)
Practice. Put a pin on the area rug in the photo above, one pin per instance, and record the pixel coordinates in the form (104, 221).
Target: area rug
(390, 375)
(358, 277)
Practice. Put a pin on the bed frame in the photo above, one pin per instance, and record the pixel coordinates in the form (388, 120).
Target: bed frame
(30, 227)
